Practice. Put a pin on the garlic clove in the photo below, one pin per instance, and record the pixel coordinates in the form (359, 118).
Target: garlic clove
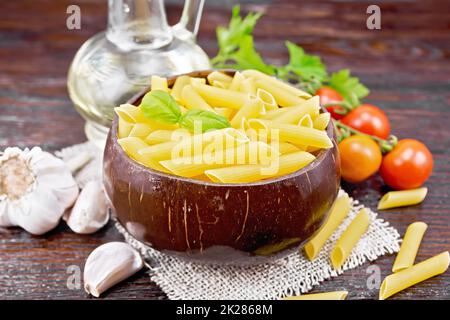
(109, 264)
(4, 218)
(90, 212)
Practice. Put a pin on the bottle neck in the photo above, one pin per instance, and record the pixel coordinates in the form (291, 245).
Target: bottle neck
(137, 24)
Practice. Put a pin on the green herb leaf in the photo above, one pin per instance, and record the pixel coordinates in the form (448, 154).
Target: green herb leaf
(229, 38)
(247, 57)
(308, 67)
(209, 120)
(349, 87)
(160, 106)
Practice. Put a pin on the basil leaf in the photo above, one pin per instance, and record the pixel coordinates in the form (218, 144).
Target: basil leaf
(349, 87)
(160, 106)
(208, 120)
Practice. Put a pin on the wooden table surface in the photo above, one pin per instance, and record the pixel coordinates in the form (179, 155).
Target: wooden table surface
(406, 65)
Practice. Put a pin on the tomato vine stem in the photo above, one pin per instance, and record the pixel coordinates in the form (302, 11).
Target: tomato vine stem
(343, 131)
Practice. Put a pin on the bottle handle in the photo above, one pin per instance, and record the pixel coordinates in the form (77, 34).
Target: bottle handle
(189, 22)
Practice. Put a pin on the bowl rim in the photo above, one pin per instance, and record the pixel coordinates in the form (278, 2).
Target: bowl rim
(319, 158)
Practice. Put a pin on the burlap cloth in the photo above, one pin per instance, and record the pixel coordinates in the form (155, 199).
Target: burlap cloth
(291, 274)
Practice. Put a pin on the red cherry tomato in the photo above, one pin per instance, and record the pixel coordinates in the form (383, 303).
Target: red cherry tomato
(360, 158)
(407, 166)
(368, 119)
(328, 95)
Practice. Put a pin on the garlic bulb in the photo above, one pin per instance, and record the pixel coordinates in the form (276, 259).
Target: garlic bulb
(35, 189)
(109, 264)
(89, 213)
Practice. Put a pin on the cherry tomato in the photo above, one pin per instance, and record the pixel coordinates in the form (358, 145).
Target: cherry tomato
(360, 158)
(368, 119)
(329, 95)
(407, 166)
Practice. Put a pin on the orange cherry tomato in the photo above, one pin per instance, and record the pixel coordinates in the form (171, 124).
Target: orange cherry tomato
(360, 158)
(368, 119)
(407, 166)
(329, 95)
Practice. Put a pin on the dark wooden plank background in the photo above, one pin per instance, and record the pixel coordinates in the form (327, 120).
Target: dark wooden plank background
(406, 65)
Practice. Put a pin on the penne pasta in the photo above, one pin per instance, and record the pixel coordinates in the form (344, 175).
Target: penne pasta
(134, 114)
(321, 121)
(192, 100)
(198, 80)
(160, 136)
(248, 86)
(140, 130)
(334, 295)
(220, 84)
(406, 278)
(267, 99)
(305, 121)
(293, 114)
(339, 211)
(394, 199)
(238, 154)
(251, 109)
(283, 97)
(218, 97)
(287, 163)
(410, 245)
(236, 82)
(124, 128)
(350, 238)
(286, 147)
(226, 112)
(191, 145)
(275, 82)
(178, 86)
(159, 83)
(293, 134)
(132, 145)
(219, 76)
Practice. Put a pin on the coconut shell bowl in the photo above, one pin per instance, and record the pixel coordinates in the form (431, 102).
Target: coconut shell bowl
(215, 222)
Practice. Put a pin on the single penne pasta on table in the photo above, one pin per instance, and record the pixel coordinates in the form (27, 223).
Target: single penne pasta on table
(219, 76)
(132, 145)
(410, 245)
(334, 295)
(419, 272)
(349, 238)
(267, 99)
(395, 199)
(251, 109)
(286, 164)
(236, 82)
(124, 128)
(292, 115)
(159, 83)
(321, 121)
(217, 97)
(338, 213)
(178, 86)
(140, 130)
(275, 82)
(283, 97)
(192, 100)
(249, 152)
(294, 134)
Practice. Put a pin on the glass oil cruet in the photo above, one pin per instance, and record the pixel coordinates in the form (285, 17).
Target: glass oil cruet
(114, 65)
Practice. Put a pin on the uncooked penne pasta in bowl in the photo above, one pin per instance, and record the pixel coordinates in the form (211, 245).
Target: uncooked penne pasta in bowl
(222, 166)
